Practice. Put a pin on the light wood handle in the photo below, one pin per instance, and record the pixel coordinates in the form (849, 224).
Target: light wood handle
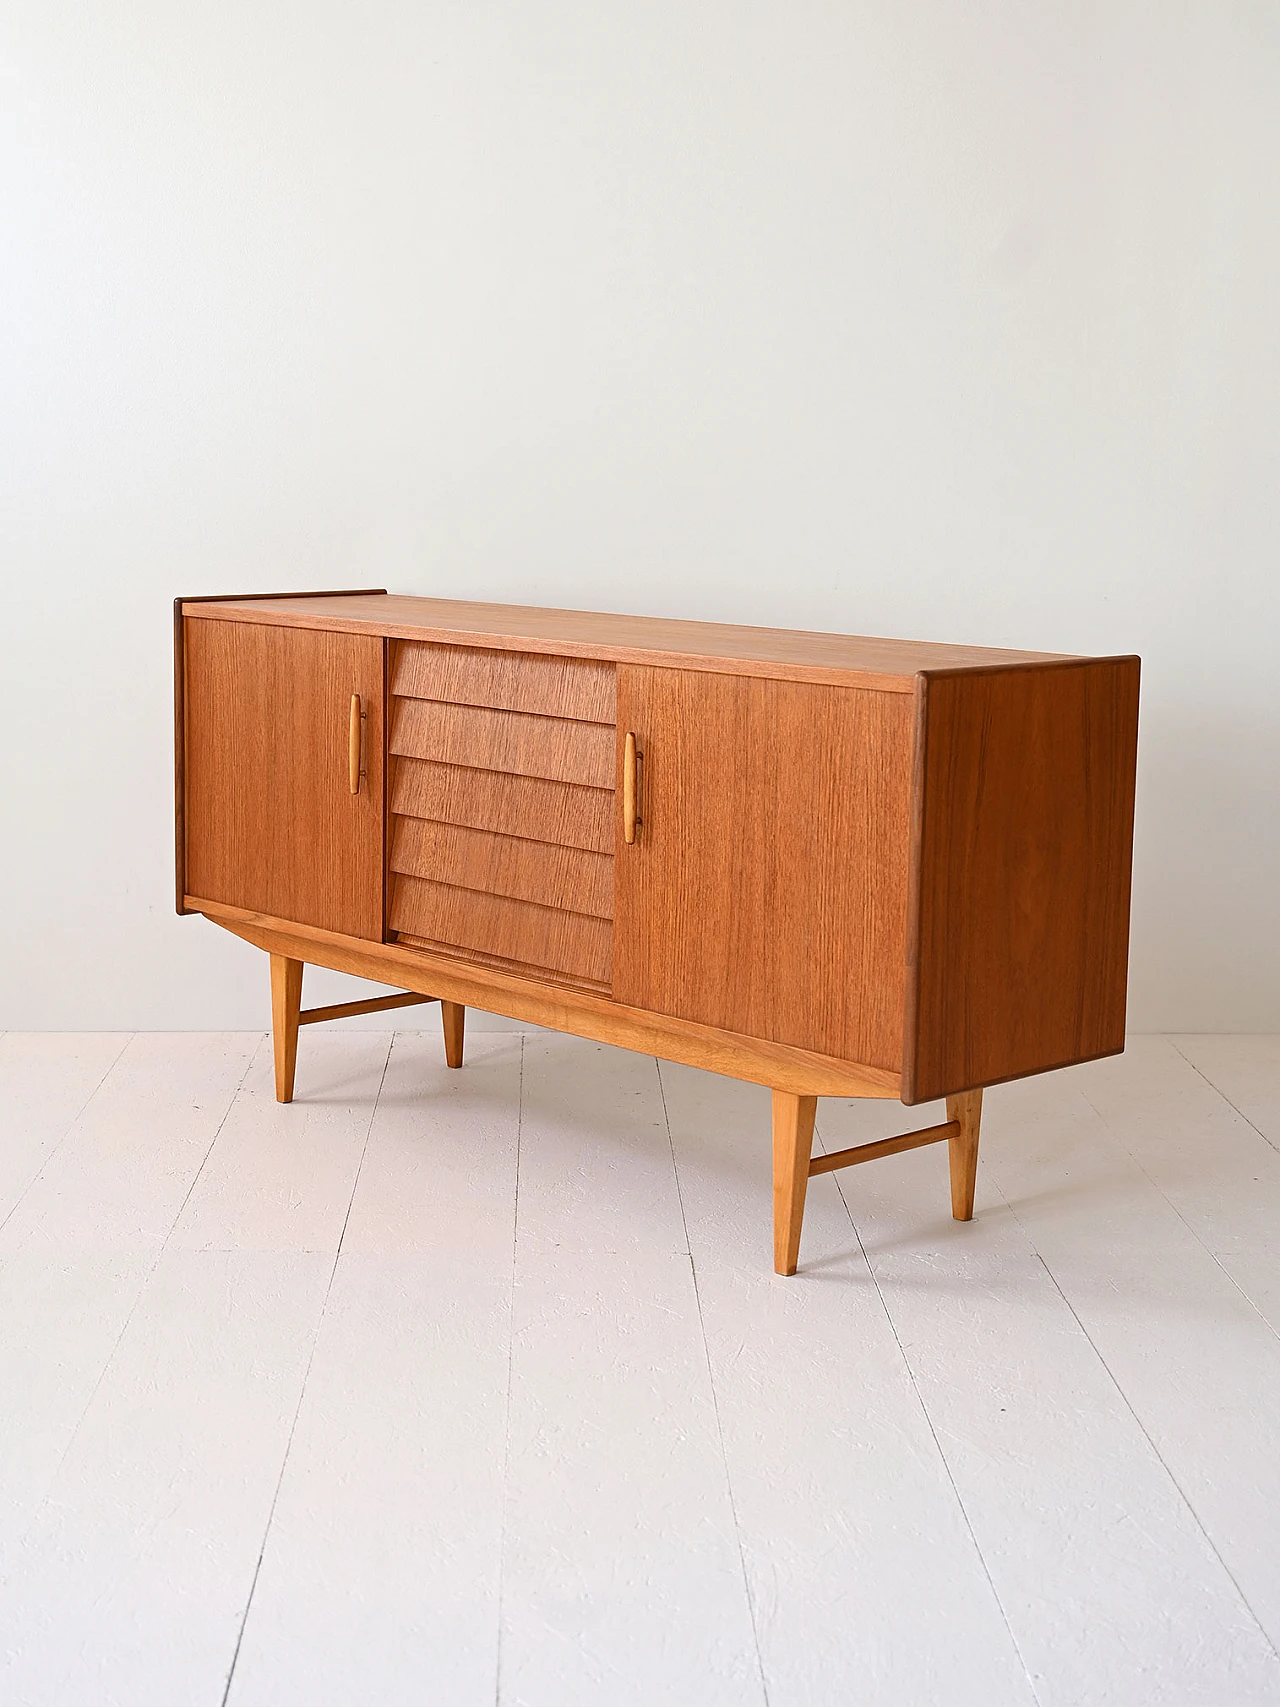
(630, 788)
(353, 744)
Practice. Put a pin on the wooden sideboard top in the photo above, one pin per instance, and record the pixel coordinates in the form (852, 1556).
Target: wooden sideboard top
(889, 665)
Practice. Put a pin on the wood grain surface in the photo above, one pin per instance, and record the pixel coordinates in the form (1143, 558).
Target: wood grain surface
(529, 806)
(793, 1118)
(1024, 839)
(270, 821)
(789, 654)
(558, 748)
(571, 943)
(541, 975)
(766, 892)
(510, 681)
(581, 1012)
(180, 714)
(551, 876)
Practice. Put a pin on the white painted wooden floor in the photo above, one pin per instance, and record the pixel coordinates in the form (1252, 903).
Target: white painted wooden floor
(458, 1388)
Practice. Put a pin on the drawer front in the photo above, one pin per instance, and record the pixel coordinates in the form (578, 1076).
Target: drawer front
(516, 742)
(502, 809)
(557, 812)
(552, 876)
(516, 933)
(507, 681)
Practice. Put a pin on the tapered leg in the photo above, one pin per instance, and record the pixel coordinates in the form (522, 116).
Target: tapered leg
(454, 1016)
(792, 1147)
(286, 1001)
(967, 1109)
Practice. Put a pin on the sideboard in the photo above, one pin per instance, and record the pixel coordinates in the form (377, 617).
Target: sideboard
(829, 865)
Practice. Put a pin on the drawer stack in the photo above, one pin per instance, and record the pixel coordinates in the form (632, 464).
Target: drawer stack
(501, 829)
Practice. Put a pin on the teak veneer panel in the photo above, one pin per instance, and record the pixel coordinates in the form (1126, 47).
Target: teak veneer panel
(510, 681)
(530, 806)
(766, 892)
(557, 748)
(568, 878)
(1024, 851)
(570, 943)
(270, 820)
(180, 712)
(791, 654)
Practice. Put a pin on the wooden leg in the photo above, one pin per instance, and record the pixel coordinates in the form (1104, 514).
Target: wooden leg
(454, 1016)
(792, 1146)
(286, 1000)
(967, 1109)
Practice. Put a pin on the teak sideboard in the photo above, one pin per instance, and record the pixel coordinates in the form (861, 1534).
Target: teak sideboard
(829, 865)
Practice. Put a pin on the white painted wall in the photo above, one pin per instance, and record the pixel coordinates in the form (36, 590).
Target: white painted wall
(947, 320)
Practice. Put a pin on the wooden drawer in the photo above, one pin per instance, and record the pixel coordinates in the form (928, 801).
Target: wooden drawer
(514, 932)
(558, 812)
(502, 808)
(552, 876)
(516, 742)
(508, 681)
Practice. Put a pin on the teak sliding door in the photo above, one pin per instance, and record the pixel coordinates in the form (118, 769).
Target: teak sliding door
(283, 772)
(765, 891)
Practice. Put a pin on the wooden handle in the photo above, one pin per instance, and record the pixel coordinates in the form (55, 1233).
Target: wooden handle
(630, 788)
(353, 745)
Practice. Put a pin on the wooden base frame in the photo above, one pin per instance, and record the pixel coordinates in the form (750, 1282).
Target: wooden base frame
(794, 1110)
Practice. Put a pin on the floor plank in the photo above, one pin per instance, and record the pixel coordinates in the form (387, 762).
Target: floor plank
(622, 1576)
(280, 1176)
(865, 1581)
(1246, 1070)
(119, 1178)
(129, 1588)
(1212, 1164)
(379, 1578)
(1109, 1583)
(76, 1252)
(1196, 1363)
(46, 1081)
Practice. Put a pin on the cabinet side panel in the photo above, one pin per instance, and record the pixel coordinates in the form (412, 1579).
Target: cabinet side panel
(1022, 873)
(766, 891)
(271, 823)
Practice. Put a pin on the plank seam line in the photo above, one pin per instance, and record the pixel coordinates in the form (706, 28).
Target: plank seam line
(1159, 1456)
(711, 1383)
(143, 1285)
(1213, 1255)
(302, 1388)
(1111, 1376)
(1220, 1092)
(68, 1129)
(942, 1456)
(1164, 1196)
(511, 1359)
